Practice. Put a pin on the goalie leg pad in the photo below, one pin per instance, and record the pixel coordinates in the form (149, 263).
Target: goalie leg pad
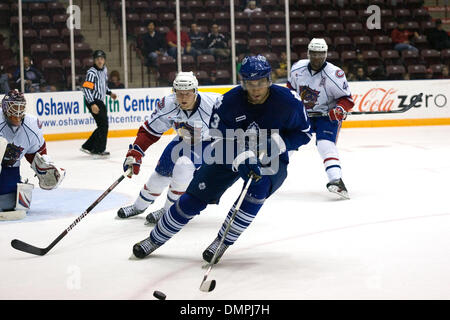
(48, 174)
(24, 196)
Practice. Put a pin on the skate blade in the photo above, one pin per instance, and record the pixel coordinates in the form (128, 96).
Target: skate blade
(342, 194)
(97, 156)
(134, 258)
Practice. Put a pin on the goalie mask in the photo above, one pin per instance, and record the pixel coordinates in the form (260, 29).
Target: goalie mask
(13, 107)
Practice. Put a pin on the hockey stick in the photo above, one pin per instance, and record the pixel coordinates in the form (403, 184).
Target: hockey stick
(413, 102)
(207, 286)
(25, 247)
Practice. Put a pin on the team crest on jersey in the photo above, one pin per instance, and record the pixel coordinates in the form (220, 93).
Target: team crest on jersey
(253, 128)
(12, 154)
(309, 96)
(339, 73)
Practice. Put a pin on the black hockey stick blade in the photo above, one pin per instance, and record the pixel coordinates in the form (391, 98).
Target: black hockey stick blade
(208, 286)
(25, 247)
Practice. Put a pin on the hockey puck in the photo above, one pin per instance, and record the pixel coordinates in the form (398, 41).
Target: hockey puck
(159, 295)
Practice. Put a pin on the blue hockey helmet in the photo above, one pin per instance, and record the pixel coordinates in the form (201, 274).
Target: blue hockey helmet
(255, 68)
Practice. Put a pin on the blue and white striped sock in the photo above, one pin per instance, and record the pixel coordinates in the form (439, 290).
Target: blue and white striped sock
(174, 219)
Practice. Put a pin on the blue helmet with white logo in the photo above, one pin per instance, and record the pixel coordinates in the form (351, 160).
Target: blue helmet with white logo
(255, 68)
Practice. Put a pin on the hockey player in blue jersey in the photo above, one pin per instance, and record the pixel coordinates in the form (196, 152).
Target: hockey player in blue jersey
(257, 106)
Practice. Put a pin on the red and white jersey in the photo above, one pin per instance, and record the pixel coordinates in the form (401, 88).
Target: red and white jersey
(168, 115)
(320, 90)
(24, 140)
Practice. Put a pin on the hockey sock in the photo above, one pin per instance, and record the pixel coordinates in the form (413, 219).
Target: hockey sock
(329, 153)
(253, 201)
(151, 190)
(181, 176)
(176, 218)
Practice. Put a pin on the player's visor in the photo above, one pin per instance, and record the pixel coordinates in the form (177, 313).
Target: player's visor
(256, 84)
(184, 93)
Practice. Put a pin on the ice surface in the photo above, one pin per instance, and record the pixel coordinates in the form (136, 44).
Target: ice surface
(390, 241)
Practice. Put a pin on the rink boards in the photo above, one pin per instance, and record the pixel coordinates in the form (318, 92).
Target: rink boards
(64, 115)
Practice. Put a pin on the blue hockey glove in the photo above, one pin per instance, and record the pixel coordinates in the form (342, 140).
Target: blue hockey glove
(248, 165)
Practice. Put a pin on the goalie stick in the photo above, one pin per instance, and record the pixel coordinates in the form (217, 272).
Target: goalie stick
(25, 247)
(413, 102)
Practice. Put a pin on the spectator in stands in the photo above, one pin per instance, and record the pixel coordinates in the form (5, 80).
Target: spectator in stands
(350, 76)
(378, 73)
(198, 40)
(438, 38)
(33, 77)
(361, 75)
(171, 39)
(251, 7)
(359, 63)
(4, 81)
(281, 69)
(401, 38)
(114, 80)
(153, 45)
(217, 43)
(406, 76)
(444, 74)
(48, 88)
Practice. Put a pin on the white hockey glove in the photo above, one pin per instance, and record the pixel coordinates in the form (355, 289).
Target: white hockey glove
(49, 176)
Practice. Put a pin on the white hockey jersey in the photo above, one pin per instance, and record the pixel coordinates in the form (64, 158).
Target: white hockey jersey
(25, 139)
(168, 115)
(322, 90)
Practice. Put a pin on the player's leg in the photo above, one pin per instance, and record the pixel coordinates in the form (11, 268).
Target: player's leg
(189, 158)
(155, 185)
(207, 186)
(326, 137)
(256, 196)
(181, 176)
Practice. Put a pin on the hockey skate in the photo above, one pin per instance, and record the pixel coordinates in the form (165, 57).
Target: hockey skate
(144, 248)
(100, 155)
(211, 250)
(338, 187)
(154, 216)
(128, 211)
(85, 151)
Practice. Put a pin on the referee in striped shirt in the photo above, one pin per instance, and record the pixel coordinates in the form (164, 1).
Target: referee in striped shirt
(95, 88)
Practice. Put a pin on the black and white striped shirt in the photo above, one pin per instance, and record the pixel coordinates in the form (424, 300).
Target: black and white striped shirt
(95, 87)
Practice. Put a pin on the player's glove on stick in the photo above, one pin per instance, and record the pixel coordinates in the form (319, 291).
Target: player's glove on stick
(133, 159)
(248, 165)
(337, 114)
